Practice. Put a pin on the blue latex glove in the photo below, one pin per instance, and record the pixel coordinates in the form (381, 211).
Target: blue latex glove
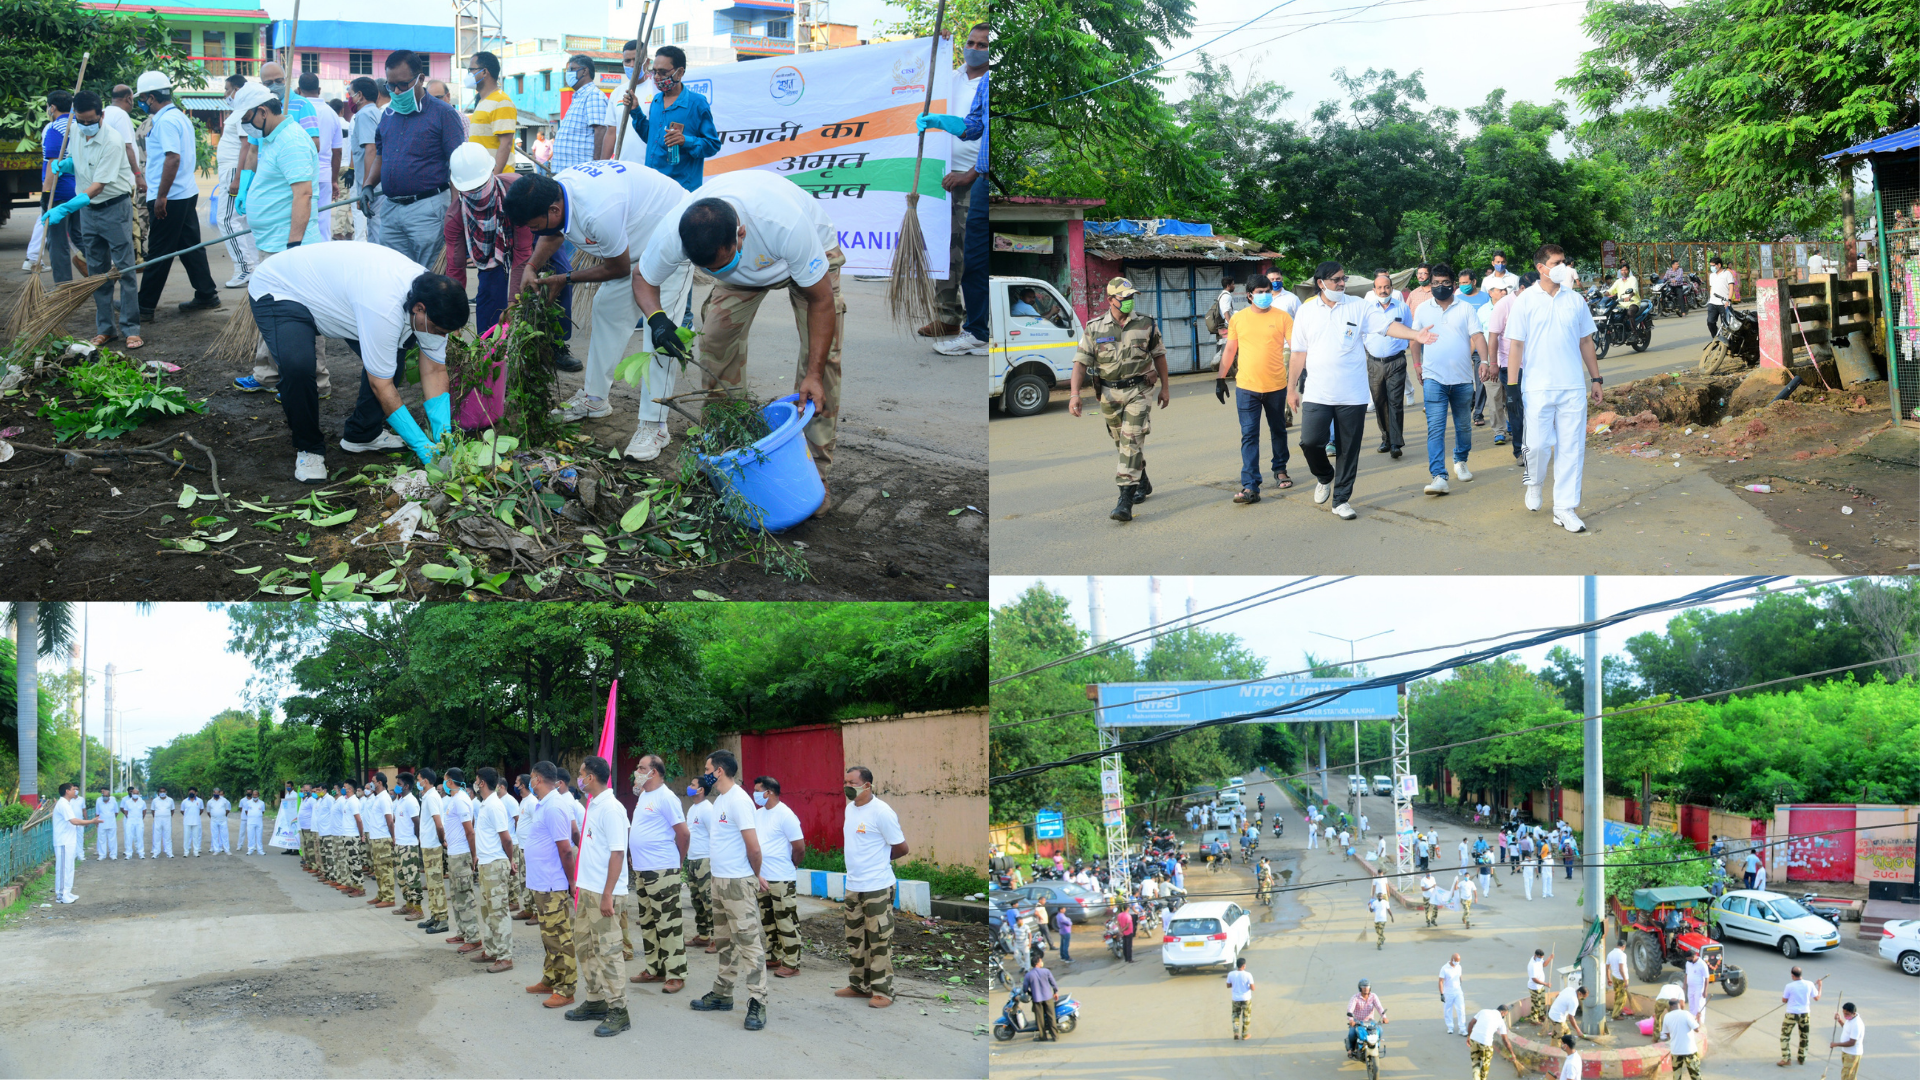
(59, 213)
(952, 125)
(439, 416)
(405, 426)
(240, 197)
(63, 167)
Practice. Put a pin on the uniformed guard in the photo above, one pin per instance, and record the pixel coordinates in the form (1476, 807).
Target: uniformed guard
(1123, 352)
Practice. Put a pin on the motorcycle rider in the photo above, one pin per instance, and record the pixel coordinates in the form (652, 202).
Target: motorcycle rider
(1365, 1006)
(1626, 287)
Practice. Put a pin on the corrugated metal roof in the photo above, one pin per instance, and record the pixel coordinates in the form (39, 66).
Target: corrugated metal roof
(1190, 248)
(1885, 144)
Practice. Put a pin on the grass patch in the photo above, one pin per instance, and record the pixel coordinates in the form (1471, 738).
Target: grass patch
(941, 880)
(38, 891)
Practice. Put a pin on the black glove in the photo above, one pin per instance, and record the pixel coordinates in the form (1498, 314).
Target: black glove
(1220, 390)
(666, 337)
(1514, 406)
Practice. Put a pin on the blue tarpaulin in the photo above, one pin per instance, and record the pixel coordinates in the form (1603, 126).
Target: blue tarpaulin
(1170, 227)
(1148, 227)
(379, 38)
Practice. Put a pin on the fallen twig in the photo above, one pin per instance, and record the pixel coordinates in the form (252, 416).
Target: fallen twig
(213, 467)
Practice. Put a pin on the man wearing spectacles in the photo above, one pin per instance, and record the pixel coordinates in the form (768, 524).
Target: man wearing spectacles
(413, 145)
(675, 129)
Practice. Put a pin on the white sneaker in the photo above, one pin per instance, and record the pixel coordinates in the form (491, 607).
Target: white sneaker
(1438, 486)
(1533, 496)
(1569, 521)
(647, 442)
(1321, 492)
(1460, 470)
(960, 344)
(1345, 511)
(239, 280)
(583, 406)
(386, 440)
(309, 468)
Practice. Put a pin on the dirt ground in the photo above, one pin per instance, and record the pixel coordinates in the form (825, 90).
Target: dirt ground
(905, 474)
(949, 956)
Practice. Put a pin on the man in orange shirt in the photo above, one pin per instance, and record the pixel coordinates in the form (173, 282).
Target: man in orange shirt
(1257, 346)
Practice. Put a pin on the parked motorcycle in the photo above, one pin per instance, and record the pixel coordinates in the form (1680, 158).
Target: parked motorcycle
(1824, 907)
(1740, 332)
(1066, 1016)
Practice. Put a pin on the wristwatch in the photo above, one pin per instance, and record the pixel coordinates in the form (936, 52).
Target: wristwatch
(1597, 378)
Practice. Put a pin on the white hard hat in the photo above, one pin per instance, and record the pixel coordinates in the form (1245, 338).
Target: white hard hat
(150, 81)
(250, 97)
(470, 166)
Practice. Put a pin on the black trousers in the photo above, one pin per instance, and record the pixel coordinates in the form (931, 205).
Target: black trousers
(1126, 948)
(1715, 312)
(179, 229)
(1347, 424)
(288, 330)
(1388, 380)
(369, 416)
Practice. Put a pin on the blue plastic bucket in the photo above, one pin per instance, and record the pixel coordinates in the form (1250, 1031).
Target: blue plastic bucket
(776, 476)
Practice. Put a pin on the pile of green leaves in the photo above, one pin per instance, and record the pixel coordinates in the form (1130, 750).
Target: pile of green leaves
(727, 425)
(110, 397)
(526, 344)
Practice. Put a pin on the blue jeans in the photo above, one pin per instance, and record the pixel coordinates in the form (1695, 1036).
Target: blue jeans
(1438, 397)
(1252, 405)
(1066, 943)
(973, 279)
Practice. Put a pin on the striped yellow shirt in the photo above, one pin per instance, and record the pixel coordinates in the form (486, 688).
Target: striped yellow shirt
(493, 118)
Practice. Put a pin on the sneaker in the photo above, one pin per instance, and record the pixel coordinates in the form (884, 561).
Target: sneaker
(1438, 486)
(199, 303)
(309, 468)
(247, 384)
(1533, 496)
(1499, 438)
(1345, 512)
(583, 406)
(961, 344)
(1331, 452)
(1571, 522)
(1460, 470)
(386, 440)
(1321, 492)
(240, 279)
(27, 265)
(648, 441)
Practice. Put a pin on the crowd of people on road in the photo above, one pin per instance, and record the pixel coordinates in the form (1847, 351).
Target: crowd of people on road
(469, 857)
(129, 825)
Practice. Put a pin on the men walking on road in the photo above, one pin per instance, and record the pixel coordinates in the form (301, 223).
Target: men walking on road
(1453, 1000)
(1240, 985)
(657, 844)
(1552, 368)
(1387, 362)
(1798, 997)
(1381, 912)
(735, 845)
(1121, 349)
(1486, 1025)
(1256, 348)
(1428, 887)
(1537, 986)
(1463, 888)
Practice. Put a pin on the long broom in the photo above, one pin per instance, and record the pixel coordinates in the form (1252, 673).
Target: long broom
(582, 261)
(32, 294)
(910, 288)
(1731, 1031)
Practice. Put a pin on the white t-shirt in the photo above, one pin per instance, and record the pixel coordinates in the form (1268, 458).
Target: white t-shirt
(1799, 995)
(219, 807)
(227, 155)
(405, 809)
(1448, 361)
(1817, 264)
(191, 807)
(375, 811)
(1570, 1068)
(651, 844)
(134, 807)
(699, 821)
(1334, 341)
(1241, 984)
(433, 804)
(163, 807)
(116, 118)
(1467, 889)
(1551, 328)
(778, 827)
(1617, 963)
(964, 154)
(456, 812)
(1379, 909)
(65, 832)
(488, 825)
(732, 819)
(356, 292)
(614, 207)
(1678, 1028)
(1721, 285)
(1855, 1029)
(1564, 1005)
(788, 231)
(1286, 301)
(867, 841)
(1488, 1025)
(305, 812)
(1507, 280)
(604, 833)
(1450, 978)
(1537, 974)
(328, 138)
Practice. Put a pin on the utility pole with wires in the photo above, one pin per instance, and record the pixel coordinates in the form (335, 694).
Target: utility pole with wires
(1593, 808)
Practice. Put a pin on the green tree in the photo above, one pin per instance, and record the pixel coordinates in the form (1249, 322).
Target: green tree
(1514, 194)
(1494, 698)
(1567, 673)
(1650, 743)
(44, 41)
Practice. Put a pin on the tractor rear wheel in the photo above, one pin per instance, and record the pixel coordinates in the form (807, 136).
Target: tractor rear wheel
(1643, 951)
(1734, 982)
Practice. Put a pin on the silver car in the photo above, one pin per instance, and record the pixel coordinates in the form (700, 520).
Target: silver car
(1082, 904)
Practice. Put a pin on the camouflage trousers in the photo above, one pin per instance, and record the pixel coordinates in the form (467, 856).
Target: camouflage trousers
(948, 305)
(725, 317)
(362, 860)
(1433, 913)
(1787, 1024)
(780, 923)
(382, 852)
(736, 928)
(496, 930)
(1379, 935)
(869, 918)
(1690, 1064)
(1129, 418)
(1466, 914)
(334, 850)
(1849, 1066)
(517, 886)
(434, 863)
(1619, 988)
(1482, 1059)
(1242, 1018)
(309, 850)
(700, 884)
(407, 871)
(558, 970)
(596, 951)
(462, 903)
(656, 903)
(1538, 1013)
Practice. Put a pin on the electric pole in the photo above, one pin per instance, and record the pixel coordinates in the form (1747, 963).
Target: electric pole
(1593, 796)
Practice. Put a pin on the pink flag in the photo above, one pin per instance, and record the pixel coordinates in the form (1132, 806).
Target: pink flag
(605, 751)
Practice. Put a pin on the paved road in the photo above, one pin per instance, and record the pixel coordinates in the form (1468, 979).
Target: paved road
(246, 966)
(1053, 487)
(1138, 1022)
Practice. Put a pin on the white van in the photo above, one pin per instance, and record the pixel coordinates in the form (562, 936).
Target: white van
(1356, 785)
(1029, 353)
(1383, 785)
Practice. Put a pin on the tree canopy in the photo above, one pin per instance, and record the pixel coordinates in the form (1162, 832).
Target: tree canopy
(44, 41)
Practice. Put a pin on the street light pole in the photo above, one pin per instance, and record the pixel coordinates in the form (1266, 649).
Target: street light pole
(1593, 796)
(1352, 671)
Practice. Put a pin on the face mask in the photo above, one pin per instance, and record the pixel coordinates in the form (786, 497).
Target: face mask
(1467, 289)
(627, 70)
(1443, 293)
(1562, 275)
(1333, 295)
(665, 80)
(693, 792)
(89, 130)
(1499, 268)
(1263, 301)
(975, 58)
(759, 798)
(852, 792)
(252, 130)
(404, 103)
(279, 88)
(731, 263)
(706, 782)
(1126, 306)
(472, 83)
(430, 341)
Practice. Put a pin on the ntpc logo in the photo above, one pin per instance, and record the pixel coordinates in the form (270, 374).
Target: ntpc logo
(1156, 699)
(786, 85)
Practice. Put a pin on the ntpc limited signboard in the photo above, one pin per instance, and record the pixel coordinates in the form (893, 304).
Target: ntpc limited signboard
(1160, 704)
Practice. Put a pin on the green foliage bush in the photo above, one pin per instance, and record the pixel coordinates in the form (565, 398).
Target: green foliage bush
(14, 814)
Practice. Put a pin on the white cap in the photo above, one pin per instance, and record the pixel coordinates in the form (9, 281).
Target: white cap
(470, 166)
(150, 81)
(250, 97)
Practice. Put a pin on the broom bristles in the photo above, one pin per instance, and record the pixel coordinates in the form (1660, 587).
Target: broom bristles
(910, 287)
(24, 306)
(238, 338)
(52, 311)
(440, 261)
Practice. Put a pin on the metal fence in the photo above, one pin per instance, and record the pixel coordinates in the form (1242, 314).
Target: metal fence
(1897, 206)
(1750, 259)
(24, 848)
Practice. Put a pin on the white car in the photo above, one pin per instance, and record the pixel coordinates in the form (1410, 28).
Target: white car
(1900, 943)
(1032, 337)
(1205, 933)
(1383, 785)
(1230, 798)
(1237, 783)
(1774, 919)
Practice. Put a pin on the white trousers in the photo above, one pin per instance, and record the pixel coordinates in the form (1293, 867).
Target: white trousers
(614, 316)
(240, 249)
(192, 842)
(1451, 1006)
(136, 837)
(221, 841)
(253, 837)
(63, 870)
(1313, 839)
(106, 840)
(1546, 881)
(1556, 437)
(1526, 878)
(163, 836)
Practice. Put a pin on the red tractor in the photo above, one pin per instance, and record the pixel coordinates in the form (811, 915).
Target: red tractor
(1664, 926)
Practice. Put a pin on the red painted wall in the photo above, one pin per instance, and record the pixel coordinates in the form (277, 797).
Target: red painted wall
(1818, 858)
(1694, 825)
(811, 766)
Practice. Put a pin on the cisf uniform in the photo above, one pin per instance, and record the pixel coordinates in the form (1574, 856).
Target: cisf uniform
(253, 815)
(1120, 352)
(217, 810)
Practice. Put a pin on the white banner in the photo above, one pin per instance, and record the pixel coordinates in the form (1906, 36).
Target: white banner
(840, 124)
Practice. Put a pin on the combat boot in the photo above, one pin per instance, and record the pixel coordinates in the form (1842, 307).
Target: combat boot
(588, 1010)
(1123, 510)
(713, 1001)
(615, 1023)
(1145, 488)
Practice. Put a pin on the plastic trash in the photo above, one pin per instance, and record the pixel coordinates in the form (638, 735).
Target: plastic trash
(1846, 509)
(1764, 489)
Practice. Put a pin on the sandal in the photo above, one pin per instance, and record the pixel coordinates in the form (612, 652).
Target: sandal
(102, 339)
(1246, 495)
(1281, 480)
(135, 341)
